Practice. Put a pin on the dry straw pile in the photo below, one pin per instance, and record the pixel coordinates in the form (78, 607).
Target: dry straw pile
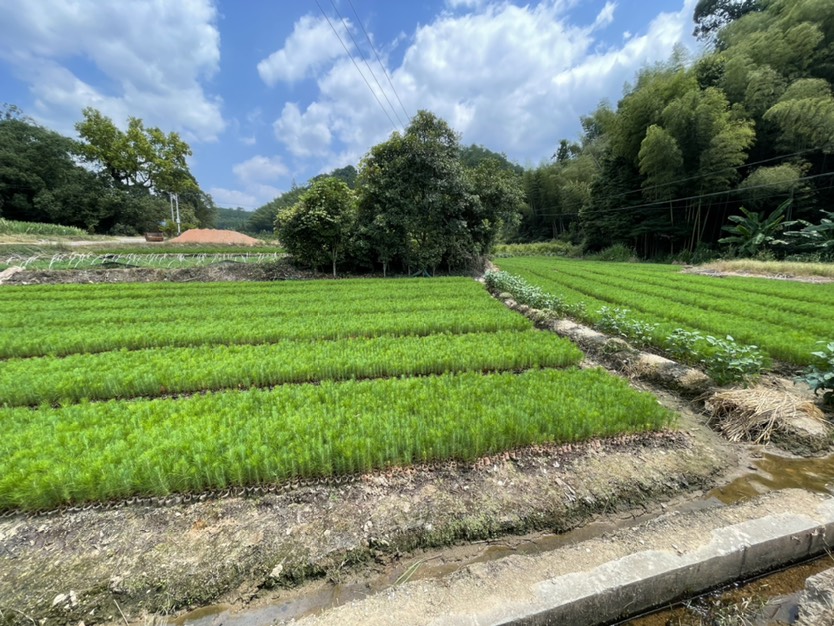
(755, 414)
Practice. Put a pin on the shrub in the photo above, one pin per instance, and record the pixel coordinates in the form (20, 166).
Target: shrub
(544, 248)
(618, 253)
(724, 359)
(820, 375)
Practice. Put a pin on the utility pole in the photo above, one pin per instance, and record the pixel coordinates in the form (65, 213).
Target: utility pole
(177, 204)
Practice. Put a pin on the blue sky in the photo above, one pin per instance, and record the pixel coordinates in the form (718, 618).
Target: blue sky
(265, 93)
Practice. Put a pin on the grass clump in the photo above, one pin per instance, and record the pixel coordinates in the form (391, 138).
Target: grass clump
(775, 268)
(13, 227)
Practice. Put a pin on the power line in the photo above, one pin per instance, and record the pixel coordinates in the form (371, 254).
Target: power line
(365, 61)
(710, 173)
(666, 204)
(681, 180)
(356, 65)
(379, 60)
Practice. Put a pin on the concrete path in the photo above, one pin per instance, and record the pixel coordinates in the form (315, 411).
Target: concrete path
(612, 577)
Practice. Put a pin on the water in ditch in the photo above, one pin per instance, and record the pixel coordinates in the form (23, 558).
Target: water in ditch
(775, 596)
(767, 601)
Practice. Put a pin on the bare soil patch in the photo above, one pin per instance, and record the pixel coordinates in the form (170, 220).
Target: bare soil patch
(226, 271)
(707, 271)
(211, 235)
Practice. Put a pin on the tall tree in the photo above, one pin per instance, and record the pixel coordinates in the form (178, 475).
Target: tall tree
(417, 200)
(317, 229)
(137, 157)
(501, 201)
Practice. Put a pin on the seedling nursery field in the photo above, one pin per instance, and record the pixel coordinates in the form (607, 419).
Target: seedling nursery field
(786, 320)
(115, 391)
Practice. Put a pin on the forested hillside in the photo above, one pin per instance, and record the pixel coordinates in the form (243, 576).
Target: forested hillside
(750, 124)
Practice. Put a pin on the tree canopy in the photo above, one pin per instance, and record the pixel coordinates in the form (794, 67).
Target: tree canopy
(41, 179)
(139, 156)
(420, 207)
(316, 230)
(750, 122)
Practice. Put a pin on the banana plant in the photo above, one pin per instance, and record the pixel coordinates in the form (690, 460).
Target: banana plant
(750, 233)
(815, 237)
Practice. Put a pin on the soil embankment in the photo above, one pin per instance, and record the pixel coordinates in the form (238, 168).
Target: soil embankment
(225, 271)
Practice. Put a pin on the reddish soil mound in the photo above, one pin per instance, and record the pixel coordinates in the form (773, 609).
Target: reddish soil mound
(210, 235)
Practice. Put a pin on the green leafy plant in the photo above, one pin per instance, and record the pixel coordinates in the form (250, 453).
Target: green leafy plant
(820, 375)
(724, 359)
(751, 233)
(815, 238)
(522, 291)
(619, 322)
(682, 344)
(727, 361)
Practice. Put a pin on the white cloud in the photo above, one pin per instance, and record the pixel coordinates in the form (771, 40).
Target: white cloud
(310, 47)
(606, 15)
(257, 177)
(148, 60)
(233, 198)
(254, 196)
(306, 134)
(465, 4)
(260, 169)
(514, 78)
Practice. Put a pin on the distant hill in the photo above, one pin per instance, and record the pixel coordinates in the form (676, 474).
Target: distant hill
(232, 219)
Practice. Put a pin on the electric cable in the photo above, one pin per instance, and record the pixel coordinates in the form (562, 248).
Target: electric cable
(379, 60)
(356, 65)
(365, 61)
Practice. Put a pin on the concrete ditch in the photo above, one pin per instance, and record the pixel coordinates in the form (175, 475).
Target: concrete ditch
(612, 578)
